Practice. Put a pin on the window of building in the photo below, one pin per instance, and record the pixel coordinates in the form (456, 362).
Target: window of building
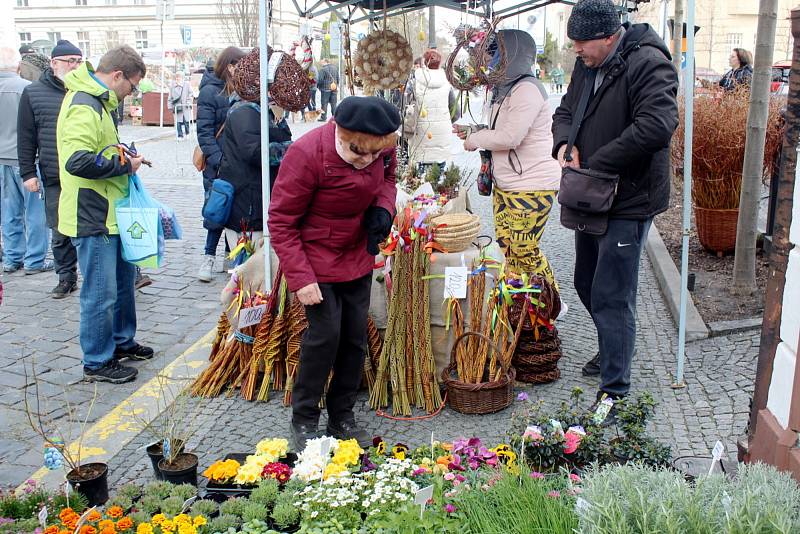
(22, 3)
(734, 40)
(54, 37)
(25, 38)
(141, 39)
(139, 2)
(83, 43)
(112, 37)
(80, 2)
(111, 2)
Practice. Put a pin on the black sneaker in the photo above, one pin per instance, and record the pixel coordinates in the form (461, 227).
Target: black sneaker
(302, 433)
(112, 372)
(64, 288)
(348, 429)
(137, 352)
(592, 367)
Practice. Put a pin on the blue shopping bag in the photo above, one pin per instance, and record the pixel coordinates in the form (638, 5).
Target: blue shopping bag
(140, 229)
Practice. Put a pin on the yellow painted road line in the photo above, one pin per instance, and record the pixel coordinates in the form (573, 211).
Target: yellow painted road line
(124, 422)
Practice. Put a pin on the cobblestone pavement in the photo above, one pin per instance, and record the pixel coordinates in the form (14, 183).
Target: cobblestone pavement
(714, 404)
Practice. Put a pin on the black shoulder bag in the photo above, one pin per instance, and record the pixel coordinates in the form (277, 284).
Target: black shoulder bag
(585, 195)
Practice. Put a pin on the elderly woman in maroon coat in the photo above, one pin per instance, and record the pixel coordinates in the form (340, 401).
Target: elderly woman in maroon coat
(332, 203)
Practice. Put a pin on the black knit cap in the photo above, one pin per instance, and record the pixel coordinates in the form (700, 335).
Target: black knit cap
(593, 19)
(65, 48)
(367, 114)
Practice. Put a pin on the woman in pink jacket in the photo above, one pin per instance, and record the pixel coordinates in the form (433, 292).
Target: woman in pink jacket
(526, 176)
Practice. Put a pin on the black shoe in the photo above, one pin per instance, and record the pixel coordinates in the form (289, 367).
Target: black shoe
(322, 119)
(348, 429)
(64, 288)
(592, 367)
(112, 372)
(142, 281)
(302, 433)
(137, 352)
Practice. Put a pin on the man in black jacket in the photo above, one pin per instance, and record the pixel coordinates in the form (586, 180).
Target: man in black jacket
(328, 85)
(626, 130)
(36, 139)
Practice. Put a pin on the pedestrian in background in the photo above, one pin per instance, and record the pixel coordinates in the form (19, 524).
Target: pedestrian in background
(328, 84)
(313, 74)
(93, 178)
(32, 66)
(23, 221)
(213, 104)
(625, 130)
(36, 141)
(179, 103)
(741, 73)
(526, 177)
(557, 79)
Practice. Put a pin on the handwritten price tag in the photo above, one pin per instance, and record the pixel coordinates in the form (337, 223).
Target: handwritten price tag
(455, 282)
(251, 316)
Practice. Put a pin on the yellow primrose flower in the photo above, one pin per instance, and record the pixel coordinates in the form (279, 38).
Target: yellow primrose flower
(182, 519)
(332, 470)
(248, 474)
(273, 449)
(222, 471)
(255, 461)
(144, 528)
(199, 521)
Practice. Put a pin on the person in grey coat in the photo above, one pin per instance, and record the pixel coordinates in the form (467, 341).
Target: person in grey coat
(180, 104)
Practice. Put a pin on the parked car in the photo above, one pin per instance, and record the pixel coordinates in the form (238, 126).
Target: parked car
(780, 77)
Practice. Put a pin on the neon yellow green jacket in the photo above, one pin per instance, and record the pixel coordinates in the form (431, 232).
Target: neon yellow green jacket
(89, 186)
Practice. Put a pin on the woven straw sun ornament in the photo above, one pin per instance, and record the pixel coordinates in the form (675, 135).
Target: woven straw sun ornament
(383, 60)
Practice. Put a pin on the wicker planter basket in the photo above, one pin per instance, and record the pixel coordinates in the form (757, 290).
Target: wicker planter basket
(540, 377)
(716, 229)
(482, 398)
(458, 232)
(549, 297)
(537, 360)
(548, 341)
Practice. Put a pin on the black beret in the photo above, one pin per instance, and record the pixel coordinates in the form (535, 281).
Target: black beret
(593, 19)
(367, 114)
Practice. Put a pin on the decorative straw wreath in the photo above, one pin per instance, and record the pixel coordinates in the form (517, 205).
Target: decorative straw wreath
(467, 73)
(383, 60)
(290, 90)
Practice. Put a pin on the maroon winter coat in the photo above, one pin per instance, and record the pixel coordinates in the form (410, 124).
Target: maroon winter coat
(316, 213)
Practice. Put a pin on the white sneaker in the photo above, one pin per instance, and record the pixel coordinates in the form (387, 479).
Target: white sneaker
(206, 268)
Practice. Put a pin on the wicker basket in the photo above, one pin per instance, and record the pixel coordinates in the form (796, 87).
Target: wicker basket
(455, 231)
(548, 341)
(549, 297)
(486, 397)
(537, 360)
(540, 377)
(716, 229)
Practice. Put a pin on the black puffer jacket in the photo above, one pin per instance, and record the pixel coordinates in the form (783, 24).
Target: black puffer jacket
(212, 108)
(36, 128)
(241, 162)
(629, 122)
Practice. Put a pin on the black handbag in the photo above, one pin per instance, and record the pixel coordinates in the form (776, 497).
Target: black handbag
(585, 195)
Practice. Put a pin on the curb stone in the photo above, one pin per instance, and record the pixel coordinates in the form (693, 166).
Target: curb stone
(669, 279)
(723, 328)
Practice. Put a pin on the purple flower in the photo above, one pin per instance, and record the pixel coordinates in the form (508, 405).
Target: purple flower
(449, 508)
(419, 471)
(537, 475)
(522, 396)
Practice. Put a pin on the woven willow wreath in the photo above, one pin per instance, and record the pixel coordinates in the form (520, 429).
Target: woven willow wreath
(290, 90)
(383, 60)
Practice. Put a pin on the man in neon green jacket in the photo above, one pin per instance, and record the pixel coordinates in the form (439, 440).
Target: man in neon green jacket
(93, 177)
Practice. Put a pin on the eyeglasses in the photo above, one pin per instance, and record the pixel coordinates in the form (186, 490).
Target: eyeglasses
(134, 88)
(71, 61)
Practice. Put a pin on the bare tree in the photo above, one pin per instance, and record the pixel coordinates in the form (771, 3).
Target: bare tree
(677, 36)
(744, 267)
(239, 21)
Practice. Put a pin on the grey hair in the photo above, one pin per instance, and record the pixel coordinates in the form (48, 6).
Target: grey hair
(9, 59)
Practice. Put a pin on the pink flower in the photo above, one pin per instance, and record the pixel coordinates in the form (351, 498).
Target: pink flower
(420, 471)
(574, 478)
(449, 476)
(554, 494)
(460, 478)
(571, 442)
(522, 396)
(449, 508)
(537, 475)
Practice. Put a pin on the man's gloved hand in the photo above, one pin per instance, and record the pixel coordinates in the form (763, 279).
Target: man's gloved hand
(378, 223)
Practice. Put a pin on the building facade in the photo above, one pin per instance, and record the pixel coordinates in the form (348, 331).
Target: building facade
(98, 25)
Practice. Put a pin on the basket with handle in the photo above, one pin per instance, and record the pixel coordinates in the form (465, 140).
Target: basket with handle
(483, 397)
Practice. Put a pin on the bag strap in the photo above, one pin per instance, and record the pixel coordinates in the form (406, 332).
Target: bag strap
(219, 132)
(577, 118)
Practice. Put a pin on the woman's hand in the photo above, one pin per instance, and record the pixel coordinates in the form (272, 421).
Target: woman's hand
(461, 133)
(309, 295)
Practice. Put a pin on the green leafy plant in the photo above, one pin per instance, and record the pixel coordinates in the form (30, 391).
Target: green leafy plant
(140, 517)
(131, 491)
(158, 489)
(234, 507)
(122, 501)
(434, 174)
(266, 492)
(172, 506)
(223, 523)
(183, 491)
(632, 444)
(285, 514)
(406, 520)
(150, 504)
(76, 501)
(204, 507)
(254, 511)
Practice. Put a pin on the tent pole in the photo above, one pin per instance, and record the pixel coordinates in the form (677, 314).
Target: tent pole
(263, 29)
(688, 92)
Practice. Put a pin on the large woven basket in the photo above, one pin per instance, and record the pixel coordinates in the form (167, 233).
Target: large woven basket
(539, 376)
(455, 231)
(482, 398)
(716, 229)
(536, 360)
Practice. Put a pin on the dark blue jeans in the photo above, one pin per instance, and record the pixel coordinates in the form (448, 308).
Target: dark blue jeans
(606, 278)
(108, 308)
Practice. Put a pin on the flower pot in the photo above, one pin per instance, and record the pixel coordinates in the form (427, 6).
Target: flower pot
(182, 471)
(156, 454)
(91, 481)
(716, 229)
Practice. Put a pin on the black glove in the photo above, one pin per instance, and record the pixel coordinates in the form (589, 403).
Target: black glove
(378, 223)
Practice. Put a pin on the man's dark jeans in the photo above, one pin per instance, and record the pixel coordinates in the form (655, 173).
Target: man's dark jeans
(327, 97)
(606, 277)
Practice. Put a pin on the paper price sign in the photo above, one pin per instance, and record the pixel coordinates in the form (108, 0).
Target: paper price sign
(251, 316)
(42, 515)
(455, 282)
(716, 455)
(422, 497)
